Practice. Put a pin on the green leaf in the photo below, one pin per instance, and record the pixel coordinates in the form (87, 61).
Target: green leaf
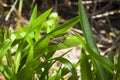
(18, 34)
(117, 75)
(6, 71)
(4, 47)
(90, 45)
(46, 66)
(111, 58)
(41, 46)
(10, 60)
(31, 51)
(64, 27)
(69, 65)
(85, 66)
(3, 34)
(86, 28)
(18, 54)
(26, 73)
(17, 60)
(70, 41)
(102, 60)
(34, 15)
(58, 75)
(43, 42)
(37, 22)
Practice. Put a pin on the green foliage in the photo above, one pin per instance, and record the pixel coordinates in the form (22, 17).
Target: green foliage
(29, 52)
(100, 67)
(25, 48)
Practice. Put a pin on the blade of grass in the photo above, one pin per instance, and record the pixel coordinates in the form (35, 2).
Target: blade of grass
(65, 26)
(6, 71)
(69, 65)
(31, 51)
(37, 22)
(4, 47)
(85, 66)
(58, 75)
(117, 69)
(102, 60)
(86, 28)
(9, 60)
(18, 55)
(91, 45)
(111, 58)
(25, 73)
(34, 15)
(105, 62)
(41, 45)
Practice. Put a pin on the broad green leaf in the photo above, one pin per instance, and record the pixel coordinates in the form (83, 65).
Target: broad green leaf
(69, 65)
(4, 47)
(85, 66)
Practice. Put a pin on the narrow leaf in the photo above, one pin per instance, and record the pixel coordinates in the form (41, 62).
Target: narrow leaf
(41, 45)
(85, 66)
(86, 28)
(64, 27)
(34, 15)
(37, 22)
(4, 47)
(69, 65)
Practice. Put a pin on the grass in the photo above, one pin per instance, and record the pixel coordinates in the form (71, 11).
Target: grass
(29, 53)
